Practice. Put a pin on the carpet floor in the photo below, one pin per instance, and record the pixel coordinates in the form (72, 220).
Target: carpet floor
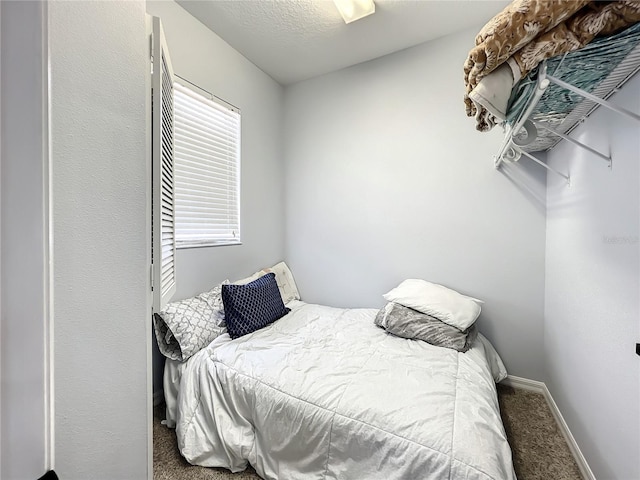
(539, 449)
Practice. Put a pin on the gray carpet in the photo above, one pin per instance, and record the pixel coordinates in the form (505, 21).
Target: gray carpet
(539, 450)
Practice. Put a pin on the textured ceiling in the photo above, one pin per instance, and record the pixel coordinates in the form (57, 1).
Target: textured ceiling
(292, 40)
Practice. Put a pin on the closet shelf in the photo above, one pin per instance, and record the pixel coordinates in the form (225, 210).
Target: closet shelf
(546, 107)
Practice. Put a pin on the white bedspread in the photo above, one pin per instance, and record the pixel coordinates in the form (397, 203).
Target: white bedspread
(325, 394)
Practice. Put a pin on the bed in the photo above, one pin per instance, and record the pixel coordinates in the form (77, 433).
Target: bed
(323, 393)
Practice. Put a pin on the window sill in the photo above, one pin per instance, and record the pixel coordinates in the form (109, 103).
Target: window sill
(206, 245)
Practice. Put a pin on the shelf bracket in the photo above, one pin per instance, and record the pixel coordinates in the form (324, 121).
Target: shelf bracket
(606, 158)
(540, 162)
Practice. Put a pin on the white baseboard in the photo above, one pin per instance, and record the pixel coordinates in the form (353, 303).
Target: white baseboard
(541, 387)
(524, 384)
(158, 397)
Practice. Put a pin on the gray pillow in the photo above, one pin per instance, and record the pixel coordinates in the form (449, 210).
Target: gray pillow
(408, 323)
(214, 299)
(183, 328)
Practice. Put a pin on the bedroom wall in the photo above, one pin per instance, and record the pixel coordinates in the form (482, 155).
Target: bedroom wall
(593, 290)
(386, 179)
(24, 331)
(101, 240)
(203, 58)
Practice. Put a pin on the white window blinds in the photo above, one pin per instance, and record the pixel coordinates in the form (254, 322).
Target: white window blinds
(207, 170)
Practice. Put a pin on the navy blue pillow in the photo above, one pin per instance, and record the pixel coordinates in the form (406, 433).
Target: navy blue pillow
(253, 306)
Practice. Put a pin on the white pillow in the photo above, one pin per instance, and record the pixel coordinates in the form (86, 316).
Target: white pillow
(286, 283)
(250, 278)
(440, 302)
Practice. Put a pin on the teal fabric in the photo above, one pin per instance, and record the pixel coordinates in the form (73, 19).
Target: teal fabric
(585, 68)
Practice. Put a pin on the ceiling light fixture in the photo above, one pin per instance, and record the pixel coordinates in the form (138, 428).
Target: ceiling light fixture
(352, 10)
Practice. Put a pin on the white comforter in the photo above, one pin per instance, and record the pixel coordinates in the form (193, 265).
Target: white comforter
(325, 394)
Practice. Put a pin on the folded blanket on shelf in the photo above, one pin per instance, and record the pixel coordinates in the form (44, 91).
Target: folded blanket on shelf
(527, 32)
(490, 98)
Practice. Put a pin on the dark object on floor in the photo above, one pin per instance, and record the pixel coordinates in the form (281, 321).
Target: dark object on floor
(539, 449)
(50, 475)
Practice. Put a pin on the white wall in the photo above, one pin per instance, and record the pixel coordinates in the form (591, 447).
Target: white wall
(592, 290)
(203, 58)
(24, 328)
(386, 179)
(99, 172)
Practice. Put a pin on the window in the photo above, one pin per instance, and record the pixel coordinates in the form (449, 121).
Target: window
(207, 170)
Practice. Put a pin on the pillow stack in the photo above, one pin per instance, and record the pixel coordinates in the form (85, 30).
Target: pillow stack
(185, 327)
(421, 310)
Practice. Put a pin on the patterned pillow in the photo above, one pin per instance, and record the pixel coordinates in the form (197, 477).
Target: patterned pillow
(214, 299)
(252, 306)
(185, 327)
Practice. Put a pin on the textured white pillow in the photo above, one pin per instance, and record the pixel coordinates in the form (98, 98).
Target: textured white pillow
(440, 302)
(286, 283)
(284, 279)
(250, 278)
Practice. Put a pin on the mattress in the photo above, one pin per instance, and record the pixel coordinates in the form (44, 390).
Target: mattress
(325, 394)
